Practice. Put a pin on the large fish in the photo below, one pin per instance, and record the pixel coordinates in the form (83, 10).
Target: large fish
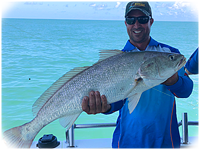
(117, 75)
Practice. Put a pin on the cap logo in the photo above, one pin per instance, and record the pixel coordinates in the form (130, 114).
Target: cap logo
(138, 4)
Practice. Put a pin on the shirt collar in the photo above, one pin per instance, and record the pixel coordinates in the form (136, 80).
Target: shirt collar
(129, 47)
(153, 42)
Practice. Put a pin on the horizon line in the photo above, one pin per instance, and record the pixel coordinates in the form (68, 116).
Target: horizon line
(96, 19)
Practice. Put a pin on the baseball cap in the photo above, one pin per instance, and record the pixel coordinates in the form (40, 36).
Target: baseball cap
(142, 6)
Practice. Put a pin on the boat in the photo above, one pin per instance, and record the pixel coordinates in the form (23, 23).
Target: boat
(50, 141)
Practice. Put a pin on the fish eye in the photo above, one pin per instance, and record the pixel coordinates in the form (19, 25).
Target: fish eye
(171, 57)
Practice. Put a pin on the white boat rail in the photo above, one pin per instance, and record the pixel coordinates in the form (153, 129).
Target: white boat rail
(70, 133)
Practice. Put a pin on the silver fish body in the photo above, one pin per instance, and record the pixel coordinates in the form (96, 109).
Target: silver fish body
(117, 75)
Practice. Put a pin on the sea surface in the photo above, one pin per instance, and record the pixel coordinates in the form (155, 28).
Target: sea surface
(36, 52)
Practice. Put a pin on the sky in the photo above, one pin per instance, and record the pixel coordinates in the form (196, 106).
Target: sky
(97, 10)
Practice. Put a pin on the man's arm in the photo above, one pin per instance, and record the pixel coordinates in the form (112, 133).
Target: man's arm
(180, 84)
(191, 66)
(172, 80)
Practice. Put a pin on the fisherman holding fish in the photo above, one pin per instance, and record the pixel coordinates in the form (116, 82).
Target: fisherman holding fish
(141, 81)
(153, 122)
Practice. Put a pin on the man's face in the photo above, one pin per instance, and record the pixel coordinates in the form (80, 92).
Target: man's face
(137, 32)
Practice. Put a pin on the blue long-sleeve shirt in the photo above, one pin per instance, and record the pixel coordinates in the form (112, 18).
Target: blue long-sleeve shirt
(192, 63)
(153, 123)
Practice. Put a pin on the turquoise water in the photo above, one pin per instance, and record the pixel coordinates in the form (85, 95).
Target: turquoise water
(35, 53)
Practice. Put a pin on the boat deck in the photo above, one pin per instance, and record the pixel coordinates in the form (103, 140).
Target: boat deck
(106, 143)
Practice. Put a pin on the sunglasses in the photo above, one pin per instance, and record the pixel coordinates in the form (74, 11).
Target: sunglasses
(141, 20)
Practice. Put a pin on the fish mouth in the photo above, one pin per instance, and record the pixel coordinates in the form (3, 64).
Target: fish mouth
(181, 63)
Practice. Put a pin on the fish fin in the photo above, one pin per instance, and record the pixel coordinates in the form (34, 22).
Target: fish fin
(104, 54)
(67, 121)
(55, 87)
(128, 93)
(138, 80)
(14, 138)
(133, 101)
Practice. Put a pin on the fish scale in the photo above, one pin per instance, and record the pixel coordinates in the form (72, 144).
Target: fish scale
(117, 75)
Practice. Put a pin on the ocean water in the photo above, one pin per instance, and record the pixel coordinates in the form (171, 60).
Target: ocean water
(35, 53)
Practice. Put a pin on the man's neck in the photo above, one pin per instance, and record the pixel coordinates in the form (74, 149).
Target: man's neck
(141, 46)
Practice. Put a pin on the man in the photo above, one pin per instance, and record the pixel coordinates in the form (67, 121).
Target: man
(153, 123)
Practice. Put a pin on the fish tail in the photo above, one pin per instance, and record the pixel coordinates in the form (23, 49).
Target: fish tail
(18, 138)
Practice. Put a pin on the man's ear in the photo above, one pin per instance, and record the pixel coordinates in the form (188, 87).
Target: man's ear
(125, 23)
(151, 21)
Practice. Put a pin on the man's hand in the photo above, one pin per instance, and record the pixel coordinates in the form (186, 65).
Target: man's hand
(95, 103)
(172, 80)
